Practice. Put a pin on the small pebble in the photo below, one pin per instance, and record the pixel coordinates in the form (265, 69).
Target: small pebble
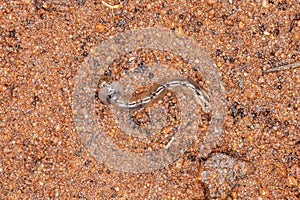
(100, 28)
(291, 181)
(151, 75)
(234, 195)
(264, 192)
(212, 2)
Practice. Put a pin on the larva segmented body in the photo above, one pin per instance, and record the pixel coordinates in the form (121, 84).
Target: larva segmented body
(112, 93)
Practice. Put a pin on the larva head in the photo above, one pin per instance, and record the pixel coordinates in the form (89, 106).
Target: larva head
(110, 91)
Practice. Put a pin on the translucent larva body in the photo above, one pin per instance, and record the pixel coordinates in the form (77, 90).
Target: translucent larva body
(113, 93)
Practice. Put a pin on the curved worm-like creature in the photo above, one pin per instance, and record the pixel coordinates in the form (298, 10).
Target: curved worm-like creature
(113, 93)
